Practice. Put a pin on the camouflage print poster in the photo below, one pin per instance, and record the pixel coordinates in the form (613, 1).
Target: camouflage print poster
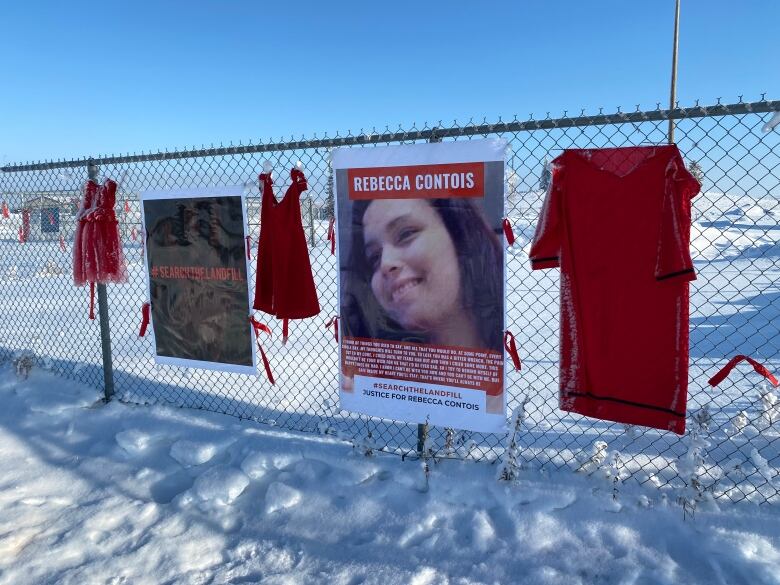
(197, 272)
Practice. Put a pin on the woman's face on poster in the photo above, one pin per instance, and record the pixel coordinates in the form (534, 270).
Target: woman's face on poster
(415, 274)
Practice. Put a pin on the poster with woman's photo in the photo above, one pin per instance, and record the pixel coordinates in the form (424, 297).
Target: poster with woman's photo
(195, 251)
(421, 282)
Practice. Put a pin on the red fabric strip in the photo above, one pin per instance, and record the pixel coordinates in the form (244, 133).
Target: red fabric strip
(127, 206)
(511, 348)
(266, 365)
(258, 327)
(92, 301)
(726, 370)
(248, 247)
(145, 310)
(510, 235)
(6, 213)
(332, 235)
(334, 322)
(62, 244)
(134, 235)
(285, 330)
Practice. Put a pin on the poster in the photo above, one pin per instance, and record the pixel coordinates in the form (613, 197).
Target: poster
(195, 252)
(421, 282)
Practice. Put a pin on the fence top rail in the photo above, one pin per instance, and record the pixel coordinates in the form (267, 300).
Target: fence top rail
(426, 134)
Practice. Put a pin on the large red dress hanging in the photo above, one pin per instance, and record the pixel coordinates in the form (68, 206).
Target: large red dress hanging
(617, 222)
(284, 286)
(97, 248)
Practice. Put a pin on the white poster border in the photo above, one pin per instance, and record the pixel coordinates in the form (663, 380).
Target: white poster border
(429, 153)
(194, 193)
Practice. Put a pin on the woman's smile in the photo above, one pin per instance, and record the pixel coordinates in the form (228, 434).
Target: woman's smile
(403, 290)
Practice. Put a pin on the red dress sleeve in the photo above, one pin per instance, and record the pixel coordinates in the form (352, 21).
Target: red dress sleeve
(546, 247)
(674, 255)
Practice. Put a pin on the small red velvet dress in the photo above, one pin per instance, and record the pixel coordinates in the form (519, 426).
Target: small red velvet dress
(97, 249)
(110, 266)
(285, 285)
(89, 200)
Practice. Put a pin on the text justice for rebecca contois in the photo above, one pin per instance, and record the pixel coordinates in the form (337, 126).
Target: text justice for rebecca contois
(380, 390)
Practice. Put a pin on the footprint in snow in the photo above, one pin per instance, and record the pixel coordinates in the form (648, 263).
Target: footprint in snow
(280, 497)
(191, 453)
(135, 441)
(421, 532)
(220, 485)
(311, 469)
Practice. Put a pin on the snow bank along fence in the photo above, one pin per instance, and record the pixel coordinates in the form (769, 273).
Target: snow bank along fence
(735, 302)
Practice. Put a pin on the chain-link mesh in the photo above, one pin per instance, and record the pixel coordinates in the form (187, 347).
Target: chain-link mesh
(735, 302)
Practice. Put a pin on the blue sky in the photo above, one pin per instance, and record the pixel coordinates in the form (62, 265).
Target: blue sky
(93, 78)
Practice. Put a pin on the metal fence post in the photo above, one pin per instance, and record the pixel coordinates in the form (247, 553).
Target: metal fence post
(105, 331)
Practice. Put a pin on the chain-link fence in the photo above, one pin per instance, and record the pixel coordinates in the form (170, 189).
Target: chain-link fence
(735, 302)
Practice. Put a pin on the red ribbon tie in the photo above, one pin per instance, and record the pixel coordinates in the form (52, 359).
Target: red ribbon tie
(725, 370)
(258, 327)
(334, 322)
(145, 310)
(92, 301)
(332, 235)
(511, 348)
(510, 235)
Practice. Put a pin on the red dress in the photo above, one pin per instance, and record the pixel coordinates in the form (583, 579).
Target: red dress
(88, 201)
(97, 249)
(617, 223)
(107, 244)
(284, 286)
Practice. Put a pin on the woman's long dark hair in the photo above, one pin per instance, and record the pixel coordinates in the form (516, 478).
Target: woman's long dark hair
(480, 261)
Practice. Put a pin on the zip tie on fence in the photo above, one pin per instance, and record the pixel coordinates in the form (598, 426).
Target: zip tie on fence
(248, 247)
(334, 322)
(510, 235)
(332, 235)
(511, 348)
(258, 327)
(725, 370)
(62, 244)
(92, 301)
(145, 314)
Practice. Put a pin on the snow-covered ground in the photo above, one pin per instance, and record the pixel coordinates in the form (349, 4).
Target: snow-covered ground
(116, 493)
